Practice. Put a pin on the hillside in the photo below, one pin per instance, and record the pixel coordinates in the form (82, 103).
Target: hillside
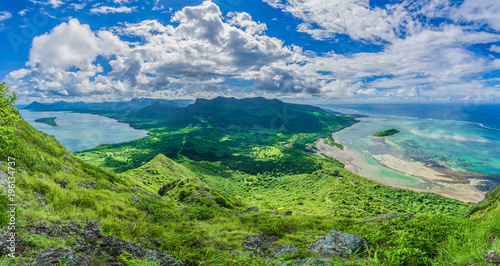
(196, 212)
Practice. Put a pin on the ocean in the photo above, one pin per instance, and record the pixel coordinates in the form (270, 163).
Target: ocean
(456, 139)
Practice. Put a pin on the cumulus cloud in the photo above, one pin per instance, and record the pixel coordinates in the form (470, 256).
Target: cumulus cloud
(495, 48)
(203, 50)
(109, 9)
(53, 3)
(485, 12)
(4, 15)
(324, 19)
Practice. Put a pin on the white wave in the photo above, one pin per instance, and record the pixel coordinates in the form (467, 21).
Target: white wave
(448, 136)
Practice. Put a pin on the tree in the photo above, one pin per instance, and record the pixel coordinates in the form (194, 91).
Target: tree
(5, 98)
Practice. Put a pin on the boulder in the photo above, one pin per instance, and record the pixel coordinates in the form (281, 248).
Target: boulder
(287, 213)
(254, 208)
(493, 257)
(66, 156)
(163, 259)
(136, 198)
(284, 250)
(338, 244)
(91, 228)
(240, 213)
(81, 185)
(49, 257)
(92, 183)
(259, 244)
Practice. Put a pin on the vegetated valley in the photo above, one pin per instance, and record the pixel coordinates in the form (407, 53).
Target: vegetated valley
(222, 182)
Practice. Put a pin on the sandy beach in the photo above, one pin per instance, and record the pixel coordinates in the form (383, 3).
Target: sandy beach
(438, 180)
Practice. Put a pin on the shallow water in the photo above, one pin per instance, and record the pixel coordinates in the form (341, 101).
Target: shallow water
(78, 131)
(467, 148)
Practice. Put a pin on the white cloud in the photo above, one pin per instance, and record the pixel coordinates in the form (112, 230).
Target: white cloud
(53, 3)
(23, 12)
(495, 48)
(204, 49)
(4, 15)
(324, 19)
(77, 7)
(481, 12)
(109, 9)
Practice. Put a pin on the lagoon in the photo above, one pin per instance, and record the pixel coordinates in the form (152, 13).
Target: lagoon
(77, 131)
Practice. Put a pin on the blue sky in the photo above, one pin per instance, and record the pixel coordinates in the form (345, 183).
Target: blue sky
(342, 50)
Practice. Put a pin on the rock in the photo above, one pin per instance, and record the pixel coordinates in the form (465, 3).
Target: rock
(42, 199)
(92, 183)
(49, 257)
(234, 254)
(254, 208)
(1, 163)
(487, 195)
(338, 244)
(493, 257)
(156, 196)
(287, 213)
(240, 213)
(259, 243)
(163, 259)
(66, 169)
(82, 185)
(43, 159)
(3, 179)
(66, 156)
(139, 191)
(116, 187)
(22, 171)
(306, 262)
(91, 228)
(136, 198)
(284, 250)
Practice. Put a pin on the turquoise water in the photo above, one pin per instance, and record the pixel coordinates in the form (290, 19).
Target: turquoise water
(78, 132)
(465, 147)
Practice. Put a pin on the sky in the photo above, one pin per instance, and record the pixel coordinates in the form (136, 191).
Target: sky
(328, 50)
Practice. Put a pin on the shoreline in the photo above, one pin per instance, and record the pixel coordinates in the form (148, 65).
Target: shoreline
(440, 180)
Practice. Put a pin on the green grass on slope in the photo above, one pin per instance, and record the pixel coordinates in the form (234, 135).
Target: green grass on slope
(333, 191)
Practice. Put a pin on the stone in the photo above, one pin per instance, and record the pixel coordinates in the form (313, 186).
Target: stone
(49, 257)
(254, 208)
(43, 159)
(92, 183)
(338, 244)
(91, 228)
(136, 198)
(259, 243)
(42, 199)
(284, 250)
(3, 179)
(240, 213)
(66, 169)
(81, 185)
(66, 156)
(22, 171)
(163, 259)
(493, 257)
(287, 213)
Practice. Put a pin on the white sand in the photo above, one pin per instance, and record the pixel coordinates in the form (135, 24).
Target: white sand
(445, 184)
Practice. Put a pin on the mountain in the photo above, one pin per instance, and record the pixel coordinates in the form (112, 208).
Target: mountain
(251, 112)
(110, 108)
(155, 111)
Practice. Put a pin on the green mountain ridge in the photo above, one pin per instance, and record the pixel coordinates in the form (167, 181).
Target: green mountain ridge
(187, 208)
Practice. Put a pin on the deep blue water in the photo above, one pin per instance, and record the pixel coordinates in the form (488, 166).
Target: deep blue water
(487, 115)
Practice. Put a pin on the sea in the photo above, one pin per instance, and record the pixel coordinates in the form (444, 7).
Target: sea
(77, 131)
(461, 137)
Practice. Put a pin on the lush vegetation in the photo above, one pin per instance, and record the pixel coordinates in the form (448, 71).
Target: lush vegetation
(51, 121)
(223, 170)
(385, 133)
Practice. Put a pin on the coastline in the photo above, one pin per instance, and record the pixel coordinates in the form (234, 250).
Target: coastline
(433, 179)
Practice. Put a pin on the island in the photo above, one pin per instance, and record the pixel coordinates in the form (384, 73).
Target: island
(51, 121)
(385, 133)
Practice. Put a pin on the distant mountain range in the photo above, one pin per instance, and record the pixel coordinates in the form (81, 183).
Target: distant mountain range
(127, 107)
